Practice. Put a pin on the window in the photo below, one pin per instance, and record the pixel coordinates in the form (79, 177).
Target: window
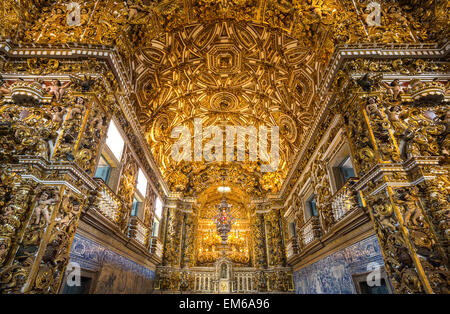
(137, 206)
(109, 164)
(158, 208)
(311, 209)
(155, 228)
(340, 167)
(142, 183)
(346, 169)
(292, 229)
(103, 170)
(115, 141)
(139, 196)
(158, 213)
(342, 171)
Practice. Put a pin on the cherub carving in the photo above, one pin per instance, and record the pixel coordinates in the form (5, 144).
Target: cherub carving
(8, 211)
(57, 89)
(372, 107)
(327, 218)
(71, 207)
(394, 89)
(137, 11)
(42, 208)
(405, 143)
(413, 84)
(395, 115)
(99, 124)
(77, 109)
(411, 204)
(443, 119)
(3, 251)
(4, 87)
(396, 16)
(410, 281)
(383, 212)
(58, 115)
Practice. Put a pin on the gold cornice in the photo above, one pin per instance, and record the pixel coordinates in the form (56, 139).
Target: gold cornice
(77, 52)
(345, 54)
(342, 54)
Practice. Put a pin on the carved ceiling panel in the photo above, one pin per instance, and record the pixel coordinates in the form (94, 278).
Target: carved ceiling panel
(224, 73)
(207, 202)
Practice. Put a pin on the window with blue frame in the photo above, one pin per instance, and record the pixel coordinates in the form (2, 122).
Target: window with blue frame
(103, 170)
(346, 169)
(136, 207)
(342, 172)
(311, 208)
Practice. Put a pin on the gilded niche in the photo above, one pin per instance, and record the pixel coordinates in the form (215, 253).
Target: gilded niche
(240, 239)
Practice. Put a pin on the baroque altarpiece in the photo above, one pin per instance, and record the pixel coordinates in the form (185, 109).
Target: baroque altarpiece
(91, 93)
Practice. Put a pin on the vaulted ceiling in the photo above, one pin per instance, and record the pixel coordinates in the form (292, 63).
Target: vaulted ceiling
(225, 73)
(227, 62)
(207, 203)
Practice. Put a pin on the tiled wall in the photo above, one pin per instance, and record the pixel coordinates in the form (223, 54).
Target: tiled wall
(333, 274)
(115, 268)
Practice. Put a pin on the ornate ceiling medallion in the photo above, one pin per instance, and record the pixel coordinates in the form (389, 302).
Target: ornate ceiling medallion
(224, 101)
(224, 59)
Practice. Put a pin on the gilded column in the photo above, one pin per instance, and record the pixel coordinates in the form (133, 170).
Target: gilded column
(277, 255)
(399, 141)
(172, 242)
(48, 134)
(259, 240)
(127, 187)
(188, 255)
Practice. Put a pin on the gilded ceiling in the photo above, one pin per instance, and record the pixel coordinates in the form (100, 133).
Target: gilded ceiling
(225, 73)
(208, 200)
(226, 62)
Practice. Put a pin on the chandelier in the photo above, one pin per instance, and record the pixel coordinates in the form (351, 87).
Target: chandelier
(223, 220)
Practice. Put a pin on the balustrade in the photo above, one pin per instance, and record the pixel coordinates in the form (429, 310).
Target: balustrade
(108, 204)
(343, 201)
(310, 231)
(206, 281)
(138, 230)
(155, 246)
(333, 210)
(244, 282)
(292, 247)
